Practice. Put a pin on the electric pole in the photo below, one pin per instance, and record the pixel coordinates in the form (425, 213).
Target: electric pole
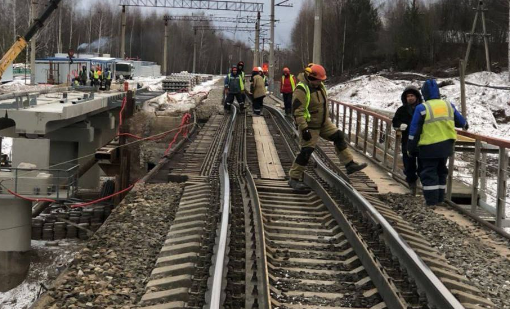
(221, 56)
(123, 34)
(480, 9)
(257, 42)
(194, 50)
(32, 45)
(165, 46)
(317, 31)
(262, 51)
(271, 50)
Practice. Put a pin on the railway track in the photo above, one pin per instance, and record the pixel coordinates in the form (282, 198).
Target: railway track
(244, 240)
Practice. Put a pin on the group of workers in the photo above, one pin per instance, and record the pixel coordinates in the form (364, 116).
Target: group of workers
(426, 121)
(96, 76)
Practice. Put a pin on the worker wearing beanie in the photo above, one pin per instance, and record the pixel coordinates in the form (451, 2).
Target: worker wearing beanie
(432, 138)
(310, 108)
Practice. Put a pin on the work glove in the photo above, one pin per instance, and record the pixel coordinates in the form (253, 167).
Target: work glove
(466, 127)
(403, 127)
(306, 134)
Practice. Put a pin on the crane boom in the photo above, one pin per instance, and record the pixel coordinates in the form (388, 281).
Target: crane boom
(21, 42)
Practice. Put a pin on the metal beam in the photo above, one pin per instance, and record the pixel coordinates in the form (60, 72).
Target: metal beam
(199, 18)
(226, 28)
(197, 4)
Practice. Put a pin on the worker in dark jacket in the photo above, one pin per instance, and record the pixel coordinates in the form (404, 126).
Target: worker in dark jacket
(432, 135)
(234, 87)
(287, 86)
(310, 108)
(411, 97)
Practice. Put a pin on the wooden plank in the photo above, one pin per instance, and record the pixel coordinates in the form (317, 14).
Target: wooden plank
(269, 161)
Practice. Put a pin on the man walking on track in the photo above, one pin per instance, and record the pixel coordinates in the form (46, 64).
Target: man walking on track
(234, 87)
(310, 105)
(432, 137)
(287, 86)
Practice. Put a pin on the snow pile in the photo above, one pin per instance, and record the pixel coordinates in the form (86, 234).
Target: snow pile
(22, 85)
(482, 102)
(179, 102)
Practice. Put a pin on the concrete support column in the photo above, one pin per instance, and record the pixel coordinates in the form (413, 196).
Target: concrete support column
(15, 234)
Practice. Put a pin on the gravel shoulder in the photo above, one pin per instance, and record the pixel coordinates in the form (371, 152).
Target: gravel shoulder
(478, 256)
(112, 269)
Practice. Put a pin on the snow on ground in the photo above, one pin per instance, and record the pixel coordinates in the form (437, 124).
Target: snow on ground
(46, 264)
(382, 93)
(180, 102)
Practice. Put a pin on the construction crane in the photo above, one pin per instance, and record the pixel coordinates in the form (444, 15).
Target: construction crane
(21, 42)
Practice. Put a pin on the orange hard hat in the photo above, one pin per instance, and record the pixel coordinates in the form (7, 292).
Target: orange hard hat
(255, 69)
(317, 71)
(286, 70)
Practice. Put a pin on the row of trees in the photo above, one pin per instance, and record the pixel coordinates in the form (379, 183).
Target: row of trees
(97, 29)
(404, 34)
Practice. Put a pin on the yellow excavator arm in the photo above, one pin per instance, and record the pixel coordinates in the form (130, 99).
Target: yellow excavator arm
(11, 54)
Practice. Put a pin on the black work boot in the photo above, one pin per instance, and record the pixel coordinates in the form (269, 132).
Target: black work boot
(298, 185)
(353, 167)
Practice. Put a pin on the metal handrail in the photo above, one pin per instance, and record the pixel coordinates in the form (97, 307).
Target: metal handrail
(482, 145)
(219, 261)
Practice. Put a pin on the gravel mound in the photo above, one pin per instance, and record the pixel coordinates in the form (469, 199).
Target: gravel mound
(111, 271)
(488, 270)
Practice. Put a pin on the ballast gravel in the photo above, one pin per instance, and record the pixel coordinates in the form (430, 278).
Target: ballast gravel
(112, 270)
(487, 269)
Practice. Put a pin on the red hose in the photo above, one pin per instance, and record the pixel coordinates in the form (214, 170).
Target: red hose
(31, 199)
(103, 198)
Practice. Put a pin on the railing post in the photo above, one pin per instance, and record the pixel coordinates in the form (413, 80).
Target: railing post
(449, 181)
(350, 124)
(375, 137)
(358, 129)
(58, 183)
(398, 137)
(474, 187)
(344, 116)
(386, 143)
(483, 177)
(365, 138)
(502, 179)
(16, 181)
(337, 114)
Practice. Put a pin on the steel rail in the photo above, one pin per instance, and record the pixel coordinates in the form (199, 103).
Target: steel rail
(436, 292)
(214, 298)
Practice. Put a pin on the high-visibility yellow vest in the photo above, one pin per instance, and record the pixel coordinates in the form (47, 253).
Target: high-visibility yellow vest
(292, 82)
(241, 81)
(109, 75)
(307, 103)
(96, 75)
(439, 124)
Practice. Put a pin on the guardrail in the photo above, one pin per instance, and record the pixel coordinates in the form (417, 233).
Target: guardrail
(56, 184)
(479, 162)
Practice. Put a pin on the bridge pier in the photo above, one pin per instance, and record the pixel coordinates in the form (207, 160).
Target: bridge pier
(15, 235)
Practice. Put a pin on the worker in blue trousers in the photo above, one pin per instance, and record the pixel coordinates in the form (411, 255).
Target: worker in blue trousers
(432, 138)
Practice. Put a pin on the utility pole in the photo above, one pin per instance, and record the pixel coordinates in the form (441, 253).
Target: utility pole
(221, 56)
(343, 47)
(317, 31)
(32, 45)
(165, 46)
(194, 50)
(480, 9)
(271, 49)
(508, 36)
(262, 51)
(123, 34)
(257, 42)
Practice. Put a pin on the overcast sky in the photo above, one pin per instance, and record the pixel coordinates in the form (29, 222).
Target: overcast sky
(286, 15)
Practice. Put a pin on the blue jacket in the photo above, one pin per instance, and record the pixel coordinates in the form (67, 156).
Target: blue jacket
(232, 83)
(443, 149)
